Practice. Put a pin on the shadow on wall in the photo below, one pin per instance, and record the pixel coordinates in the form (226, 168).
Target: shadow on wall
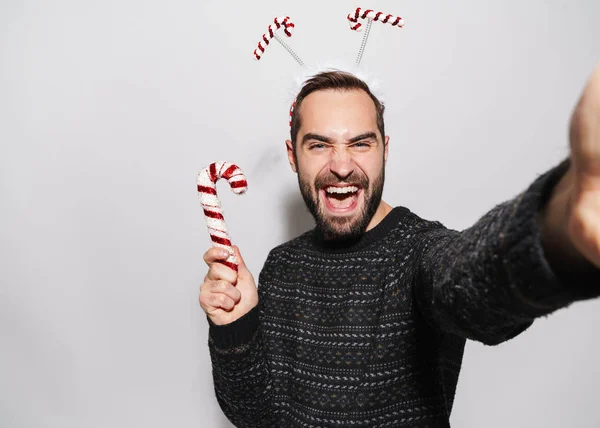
(299, 220)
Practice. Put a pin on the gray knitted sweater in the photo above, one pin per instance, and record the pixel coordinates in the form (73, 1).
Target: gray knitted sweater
(371, 333)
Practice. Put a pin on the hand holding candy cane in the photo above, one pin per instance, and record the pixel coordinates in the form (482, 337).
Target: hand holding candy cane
(226, 295)
(228, 291)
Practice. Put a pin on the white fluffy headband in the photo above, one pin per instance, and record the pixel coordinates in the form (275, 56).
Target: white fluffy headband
(374, 84)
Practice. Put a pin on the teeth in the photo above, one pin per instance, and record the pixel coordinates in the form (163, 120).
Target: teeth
(348, 189)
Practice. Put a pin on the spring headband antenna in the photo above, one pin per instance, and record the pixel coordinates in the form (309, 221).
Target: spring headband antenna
(354, 19)
(272, 33)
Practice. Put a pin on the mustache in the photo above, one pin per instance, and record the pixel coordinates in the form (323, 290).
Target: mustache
(361, 181)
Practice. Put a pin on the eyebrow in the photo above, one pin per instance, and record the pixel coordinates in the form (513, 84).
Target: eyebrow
(313, 136)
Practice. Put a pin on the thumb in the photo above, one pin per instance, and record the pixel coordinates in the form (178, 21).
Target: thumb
(242, 268)
(584, 130)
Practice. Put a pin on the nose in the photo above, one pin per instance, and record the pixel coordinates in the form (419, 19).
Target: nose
(341, 164)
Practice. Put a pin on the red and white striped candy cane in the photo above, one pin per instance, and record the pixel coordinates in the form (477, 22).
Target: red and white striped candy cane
(207, 191)
(284, 22)
(370, 14)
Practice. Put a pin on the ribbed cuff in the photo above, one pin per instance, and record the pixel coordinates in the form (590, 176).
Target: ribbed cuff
(239, 332)
(543, 288)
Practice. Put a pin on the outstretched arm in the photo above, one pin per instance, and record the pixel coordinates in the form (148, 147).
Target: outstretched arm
(527, 257)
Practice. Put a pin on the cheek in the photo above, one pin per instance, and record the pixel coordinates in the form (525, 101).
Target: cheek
(311, 169)
(370, 167)
(307, 177)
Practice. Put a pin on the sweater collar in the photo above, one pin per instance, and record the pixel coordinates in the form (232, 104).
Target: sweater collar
(366, 239)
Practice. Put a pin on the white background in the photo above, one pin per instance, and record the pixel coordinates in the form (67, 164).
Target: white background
(109, 109)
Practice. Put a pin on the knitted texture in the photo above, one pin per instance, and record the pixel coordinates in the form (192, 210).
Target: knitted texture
(371, 333)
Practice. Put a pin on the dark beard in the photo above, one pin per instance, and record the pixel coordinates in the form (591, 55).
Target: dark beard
(340, 228)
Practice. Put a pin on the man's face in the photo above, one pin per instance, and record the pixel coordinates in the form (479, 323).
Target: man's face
(340, 158)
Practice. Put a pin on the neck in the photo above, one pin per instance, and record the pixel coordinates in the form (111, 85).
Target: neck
(382, 210)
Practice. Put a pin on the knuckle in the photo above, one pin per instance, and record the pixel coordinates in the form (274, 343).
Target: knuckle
(228, 303)
(224, 285)
(215, 272)
(231, 276)
(216, 300)
(206, 286)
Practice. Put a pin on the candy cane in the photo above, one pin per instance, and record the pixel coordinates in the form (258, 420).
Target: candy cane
(207, 191)
(371, 15)
(287, 25)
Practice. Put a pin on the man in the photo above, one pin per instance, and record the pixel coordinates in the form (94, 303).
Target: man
(362, 321)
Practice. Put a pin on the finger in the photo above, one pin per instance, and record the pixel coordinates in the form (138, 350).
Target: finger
(221, 301)
(220, 272)
(215, 255)
(210, 300)
(226, 288)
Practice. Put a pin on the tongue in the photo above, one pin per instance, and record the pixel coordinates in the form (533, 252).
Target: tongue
(341, 201)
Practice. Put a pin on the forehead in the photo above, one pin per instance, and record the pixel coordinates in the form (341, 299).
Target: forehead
(333, 109)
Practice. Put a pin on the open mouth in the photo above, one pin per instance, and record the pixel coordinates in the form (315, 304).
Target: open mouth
(341, 199)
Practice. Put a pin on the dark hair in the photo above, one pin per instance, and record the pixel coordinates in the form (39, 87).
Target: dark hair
(339, 80)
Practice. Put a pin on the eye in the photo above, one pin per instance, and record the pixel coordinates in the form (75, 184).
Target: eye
(316, 146)
(361, 145)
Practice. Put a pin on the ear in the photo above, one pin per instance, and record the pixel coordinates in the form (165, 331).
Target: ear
(291, 155)
(385, 148)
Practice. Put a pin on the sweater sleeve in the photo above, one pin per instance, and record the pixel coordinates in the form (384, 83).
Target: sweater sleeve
(489, 282)
(240, 374)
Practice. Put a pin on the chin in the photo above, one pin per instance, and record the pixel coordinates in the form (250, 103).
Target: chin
(342, 210)
(349, 226)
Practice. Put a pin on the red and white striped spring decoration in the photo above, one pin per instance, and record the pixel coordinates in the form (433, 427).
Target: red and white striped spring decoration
(292, 111)
(207, 192)
(266, 38)
(384, 18)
